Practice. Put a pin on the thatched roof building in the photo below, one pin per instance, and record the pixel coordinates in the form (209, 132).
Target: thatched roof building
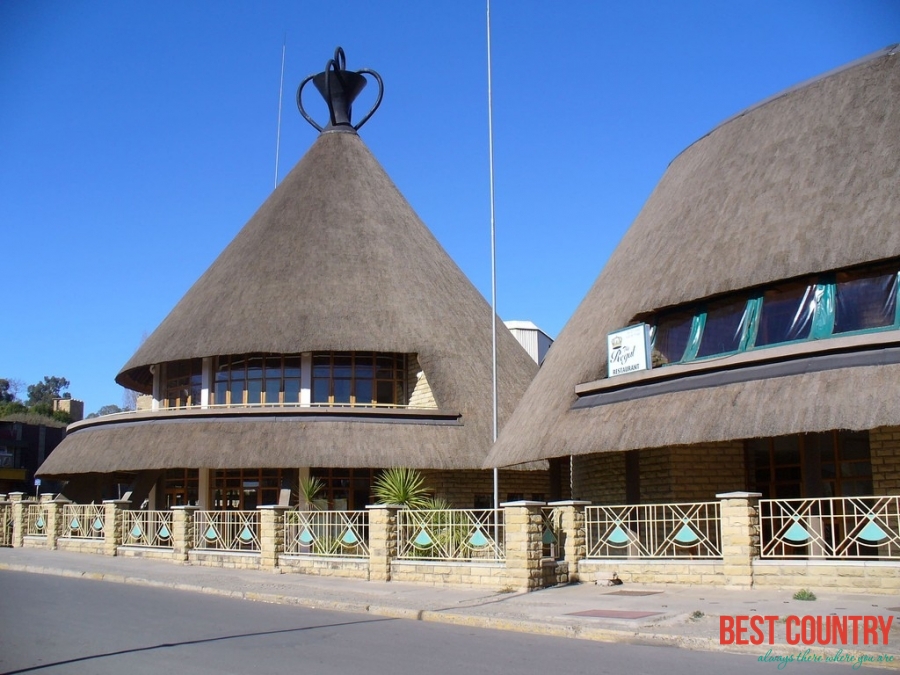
(803, 184)
(334, 261)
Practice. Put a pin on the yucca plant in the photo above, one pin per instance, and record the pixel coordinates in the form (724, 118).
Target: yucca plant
(401, 486)
(310, 487)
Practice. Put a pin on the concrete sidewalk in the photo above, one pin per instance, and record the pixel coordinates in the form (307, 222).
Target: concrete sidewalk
(686, 617)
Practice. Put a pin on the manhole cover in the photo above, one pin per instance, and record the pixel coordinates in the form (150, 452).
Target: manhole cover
(634, 593)
(614, 614)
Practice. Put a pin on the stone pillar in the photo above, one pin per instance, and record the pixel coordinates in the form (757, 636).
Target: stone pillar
(112, 524)
(572, 537)
(271, 535)
(382, 540)
(524, 547)
(55, 520)
(182, 531)
(739, 524)
(19, 506)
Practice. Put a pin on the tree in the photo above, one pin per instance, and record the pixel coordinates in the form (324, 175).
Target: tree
(9, 389)
(44, 392)
(111, 409)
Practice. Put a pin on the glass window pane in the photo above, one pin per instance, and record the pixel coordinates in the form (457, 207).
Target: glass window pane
(363, 368)
(292, 366)
(292, 390)
(854, 444)
(384, 367)
(786, 314)
(385, 393)
(864, 301)
(237, 392)
(724, 328)
(364, 392)
(671, 336)
(273, 366)
(786, 450)
(342, 391)
(273, 391)
(254, 368)
(321, 365)
(221, 388)
(343, 365)
(321, 391)
(254, 391)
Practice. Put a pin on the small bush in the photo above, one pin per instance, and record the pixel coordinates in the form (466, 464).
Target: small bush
(804, 594)
(696, 614)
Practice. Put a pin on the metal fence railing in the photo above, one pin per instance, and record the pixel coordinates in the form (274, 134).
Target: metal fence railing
(653, 531)
(227, 531)
(833, 527)
(36, 520)
(152, 529)
(6, 525)
(451, 534)
(551, 533)
(327, 533)
(82, 521)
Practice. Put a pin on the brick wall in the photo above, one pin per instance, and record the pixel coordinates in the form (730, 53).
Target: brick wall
(686, 473)
(420, 394)
(697, 473)
(884, 443)
(460, 487)
(600, 478)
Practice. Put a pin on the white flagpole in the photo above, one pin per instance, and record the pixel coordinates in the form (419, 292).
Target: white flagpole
(493, 263)
(280, 96)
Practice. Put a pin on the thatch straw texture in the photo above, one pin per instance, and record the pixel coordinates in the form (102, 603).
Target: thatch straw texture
(807, 182)
(335, 259)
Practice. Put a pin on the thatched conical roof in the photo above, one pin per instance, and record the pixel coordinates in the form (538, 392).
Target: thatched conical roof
(807, 182)
(335, 259)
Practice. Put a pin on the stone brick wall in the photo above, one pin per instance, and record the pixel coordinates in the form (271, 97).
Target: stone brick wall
(687, 473)
(856, 577)
(345, 568)
(697, 473)
(420, 394)
(884, 443)
(488, 575)
(684, 573)
(460, 487)
(226, 559)
(600, 478)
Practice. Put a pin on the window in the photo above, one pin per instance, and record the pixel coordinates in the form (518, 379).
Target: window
(723, 328)
(864, 301)
(359, 379)
(245, 489)
(183, 383)
(811, 309)
(181, 487)
(786, 314)
(671, 334)
(346, 489)
(827, 464)
(257, 379)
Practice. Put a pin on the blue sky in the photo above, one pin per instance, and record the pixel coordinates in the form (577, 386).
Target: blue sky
(136, 139)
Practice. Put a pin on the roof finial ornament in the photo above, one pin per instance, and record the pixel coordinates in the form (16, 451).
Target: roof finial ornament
(340, 87)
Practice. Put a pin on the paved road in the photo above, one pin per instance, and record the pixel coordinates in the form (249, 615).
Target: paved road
(51, 625)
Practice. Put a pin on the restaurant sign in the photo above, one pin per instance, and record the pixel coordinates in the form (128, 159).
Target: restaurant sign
(629, 350)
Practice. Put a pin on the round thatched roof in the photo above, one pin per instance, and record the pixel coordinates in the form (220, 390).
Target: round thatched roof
(335, 259)
(804, 183)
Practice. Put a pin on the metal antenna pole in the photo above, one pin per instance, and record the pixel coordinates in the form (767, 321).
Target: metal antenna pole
(493, 259)
(280, 96)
